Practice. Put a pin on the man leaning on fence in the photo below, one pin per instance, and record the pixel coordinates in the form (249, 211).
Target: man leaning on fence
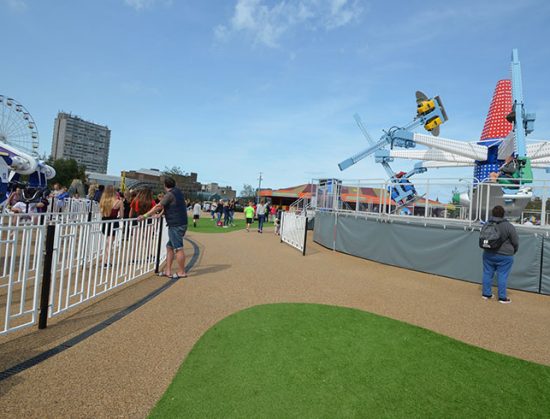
(175, 212)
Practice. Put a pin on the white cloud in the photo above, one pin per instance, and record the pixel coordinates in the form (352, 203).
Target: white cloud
(267, 23)
(146, 4)
(16, 5)
(138, 88)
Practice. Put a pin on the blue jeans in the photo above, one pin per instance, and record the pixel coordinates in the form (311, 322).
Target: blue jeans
(261, 219)
(502, 265)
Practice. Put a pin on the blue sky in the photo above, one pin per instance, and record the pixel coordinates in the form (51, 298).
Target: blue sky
(231, 88)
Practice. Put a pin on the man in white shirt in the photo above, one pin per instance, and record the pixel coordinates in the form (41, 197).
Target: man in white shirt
(196, 213)
(260, 214)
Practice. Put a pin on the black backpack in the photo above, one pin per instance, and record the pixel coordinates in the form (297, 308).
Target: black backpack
(490, 237)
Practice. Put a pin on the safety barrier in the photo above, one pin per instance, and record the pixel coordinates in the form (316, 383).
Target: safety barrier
(294, 230)
(21, 257)
(73, 205)
(445, 249)
(461, 201)
(59, 211)
(10, 220)
(47, 269)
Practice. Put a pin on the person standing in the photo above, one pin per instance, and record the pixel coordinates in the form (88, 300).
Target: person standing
(142, 203)
(226, 215)
(126, 204)
(98, 193)
(196, 213)
(260, 213)
(110, 207)
(175, 213)
(232, 212)
(277, 218)
(273, 212)
(15, 197)
(249, 215)
(499, 260)
(219, 211)
(213, 208)
(267, 212)
(63, 194)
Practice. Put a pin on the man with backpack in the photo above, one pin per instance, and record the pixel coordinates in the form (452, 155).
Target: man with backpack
(499, 240)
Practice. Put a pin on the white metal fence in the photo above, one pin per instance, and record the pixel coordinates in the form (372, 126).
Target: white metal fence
(21, 256)
(462, 201)
(87, 259)
(73, 205)
(294, 230)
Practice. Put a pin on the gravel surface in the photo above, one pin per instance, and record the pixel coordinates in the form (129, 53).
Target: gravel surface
(124, 369)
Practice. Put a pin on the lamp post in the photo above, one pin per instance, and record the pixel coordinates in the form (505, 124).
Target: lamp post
(470, 197)
(259, 188)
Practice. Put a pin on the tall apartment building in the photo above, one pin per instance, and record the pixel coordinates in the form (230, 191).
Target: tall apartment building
(86, 142)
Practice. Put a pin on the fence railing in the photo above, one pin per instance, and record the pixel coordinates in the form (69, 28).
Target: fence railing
(87, 259)
(464, 200)
(73, 205)
(8, 219)
(21, 257)
(59, 211)
(294, 230)
(300, 205)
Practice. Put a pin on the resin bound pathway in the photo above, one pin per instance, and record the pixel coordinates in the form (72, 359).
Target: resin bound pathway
(125, 368)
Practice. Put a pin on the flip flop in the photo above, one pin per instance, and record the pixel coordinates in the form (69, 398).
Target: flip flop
(164, 274)
(176, 276)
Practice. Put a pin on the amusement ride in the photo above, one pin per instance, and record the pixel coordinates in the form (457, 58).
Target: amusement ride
(19, 152)
(502, 146)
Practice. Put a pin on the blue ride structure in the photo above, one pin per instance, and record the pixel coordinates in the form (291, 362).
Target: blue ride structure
(502, 146)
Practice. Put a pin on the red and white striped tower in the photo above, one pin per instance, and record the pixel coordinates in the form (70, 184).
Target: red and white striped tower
(496, 127)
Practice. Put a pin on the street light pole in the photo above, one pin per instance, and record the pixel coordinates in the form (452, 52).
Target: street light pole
(259, 188)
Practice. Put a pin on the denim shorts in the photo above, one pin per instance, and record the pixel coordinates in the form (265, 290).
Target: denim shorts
(175, 237)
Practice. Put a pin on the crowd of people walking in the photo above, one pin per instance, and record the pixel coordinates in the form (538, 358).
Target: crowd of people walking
(141, 205)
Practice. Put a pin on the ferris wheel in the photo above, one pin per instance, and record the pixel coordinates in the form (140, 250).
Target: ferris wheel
(17, 126)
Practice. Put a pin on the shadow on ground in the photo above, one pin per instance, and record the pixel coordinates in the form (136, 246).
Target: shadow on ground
(19, 349)
(207, 269)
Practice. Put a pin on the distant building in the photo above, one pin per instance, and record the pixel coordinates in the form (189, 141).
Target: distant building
(154, 179)
(226, 192)
(83, 141)
(103, 179)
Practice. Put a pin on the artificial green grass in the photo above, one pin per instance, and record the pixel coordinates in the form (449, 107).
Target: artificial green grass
(207, 225)
(305, 360)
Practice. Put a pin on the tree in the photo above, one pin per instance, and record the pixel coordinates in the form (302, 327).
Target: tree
(66, 170)
(175, 170)
(247, 192)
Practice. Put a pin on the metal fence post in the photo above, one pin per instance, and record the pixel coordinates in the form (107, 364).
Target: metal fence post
(159, 244)
(305, 240)
(281, 226)
(46, 277)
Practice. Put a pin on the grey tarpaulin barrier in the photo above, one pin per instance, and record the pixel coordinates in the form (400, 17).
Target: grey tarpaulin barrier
(449, 251)
(545, 274)
(323, 232)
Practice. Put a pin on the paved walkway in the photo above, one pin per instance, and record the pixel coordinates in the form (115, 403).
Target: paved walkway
(124, 369)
